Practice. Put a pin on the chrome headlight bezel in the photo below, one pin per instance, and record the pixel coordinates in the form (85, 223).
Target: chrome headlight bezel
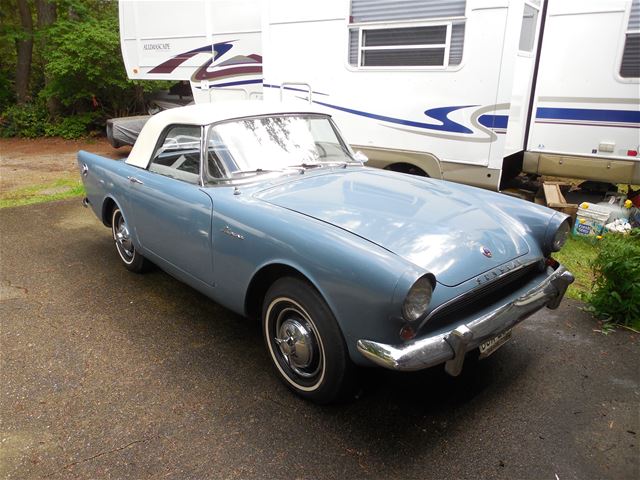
(558, 237)
(416, 303)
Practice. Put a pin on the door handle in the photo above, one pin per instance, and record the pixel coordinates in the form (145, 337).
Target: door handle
(135, 180)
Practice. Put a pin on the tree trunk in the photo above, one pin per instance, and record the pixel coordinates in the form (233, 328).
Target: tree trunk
(24, 49)
(47, 15)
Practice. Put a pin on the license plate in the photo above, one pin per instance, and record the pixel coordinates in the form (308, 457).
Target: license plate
(493, 344)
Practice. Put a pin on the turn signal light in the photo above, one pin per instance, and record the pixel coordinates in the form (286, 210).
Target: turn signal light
(407, 333)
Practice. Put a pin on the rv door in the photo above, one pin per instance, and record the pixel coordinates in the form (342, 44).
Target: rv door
(586, 115)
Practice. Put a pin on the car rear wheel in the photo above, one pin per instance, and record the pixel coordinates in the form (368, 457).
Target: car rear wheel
(131, 258)
(305, 343)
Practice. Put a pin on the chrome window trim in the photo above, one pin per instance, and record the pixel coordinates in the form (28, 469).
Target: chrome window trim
(203, 140)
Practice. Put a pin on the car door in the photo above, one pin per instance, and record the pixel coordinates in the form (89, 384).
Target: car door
(171, 213)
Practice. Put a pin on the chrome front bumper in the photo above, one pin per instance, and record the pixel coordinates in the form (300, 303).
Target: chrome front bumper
(451, 346)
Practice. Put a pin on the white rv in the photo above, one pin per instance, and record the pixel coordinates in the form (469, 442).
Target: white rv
(471, 91)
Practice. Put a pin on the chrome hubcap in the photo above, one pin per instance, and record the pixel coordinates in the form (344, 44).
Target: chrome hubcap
(296, 343)
(123, 238)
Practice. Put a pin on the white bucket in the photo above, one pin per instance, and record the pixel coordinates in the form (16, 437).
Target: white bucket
(590, 219)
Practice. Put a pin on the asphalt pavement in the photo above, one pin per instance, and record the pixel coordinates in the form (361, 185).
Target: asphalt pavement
(109, 374)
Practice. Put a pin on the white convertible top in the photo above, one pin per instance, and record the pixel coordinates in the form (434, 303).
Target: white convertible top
(205, 114)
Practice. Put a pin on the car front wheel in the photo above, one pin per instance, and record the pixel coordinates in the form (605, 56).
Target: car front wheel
(131, 258)
(305, 342)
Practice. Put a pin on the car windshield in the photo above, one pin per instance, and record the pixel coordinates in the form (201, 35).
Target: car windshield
(281, 143)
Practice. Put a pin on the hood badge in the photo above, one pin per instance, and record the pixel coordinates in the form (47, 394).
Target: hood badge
(499, 272)
(486, 252)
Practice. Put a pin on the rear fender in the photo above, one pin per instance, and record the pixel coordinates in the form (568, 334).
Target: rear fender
(105, 182)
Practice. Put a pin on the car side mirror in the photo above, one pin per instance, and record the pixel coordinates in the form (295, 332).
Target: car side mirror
(360, 157)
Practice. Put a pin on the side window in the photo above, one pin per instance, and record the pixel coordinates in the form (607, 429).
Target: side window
(437, 43)
(220, 162)
(328, 146)
(630, 65)
(528, 29)
(179, 155)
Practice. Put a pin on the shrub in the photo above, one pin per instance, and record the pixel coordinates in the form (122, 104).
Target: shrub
(86, 72)
(72, 127)
(616, 293)
(26, 120)
(31, 121)
(84, 63)
(7, 96)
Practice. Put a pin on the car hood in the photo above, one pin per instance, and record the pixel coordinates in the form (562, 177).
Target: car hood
(434, 224)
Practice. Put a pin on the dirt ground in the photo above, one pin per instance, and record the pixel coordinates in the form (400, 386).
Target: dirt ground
(25, 162)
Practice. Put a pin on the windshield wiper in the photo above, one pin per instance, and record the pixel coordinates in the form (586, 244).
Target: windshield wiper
(256, 171)
(343, 164)
(301, 167)
(306, 165)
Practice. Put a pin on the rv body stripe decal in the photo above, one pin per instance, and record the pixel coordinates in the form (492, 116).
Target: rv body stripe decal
(170, 65)
(590, 124)
(496, 122)
(229, 84)
(203, 74)
(241, 60)
(573, 116)
(439, 114)
(620, 101)
(588, 115)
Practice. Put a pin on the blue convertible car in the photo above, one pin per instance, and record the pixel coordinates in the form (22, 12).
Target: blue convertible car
(266, 210)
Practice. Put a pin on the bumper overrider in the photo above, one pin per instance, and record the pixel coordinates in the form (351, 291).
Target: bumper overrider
(451, 346)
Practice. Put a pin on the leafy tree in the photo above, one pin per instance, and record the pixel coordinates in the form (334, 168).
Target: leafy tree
(62, 57)
(85, 68)
(24, 50)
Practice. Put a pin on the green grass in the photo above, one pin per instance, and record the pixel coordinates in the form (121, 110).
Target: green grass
(61, 189)
(577, 255)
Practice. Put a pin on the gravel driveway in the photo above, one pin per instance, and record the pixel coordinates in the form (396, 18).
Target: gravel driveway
(108, 374)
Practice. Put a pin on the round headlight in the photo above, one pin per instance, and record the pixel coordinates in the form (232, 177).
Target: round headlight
(560, 238)
(417, 301)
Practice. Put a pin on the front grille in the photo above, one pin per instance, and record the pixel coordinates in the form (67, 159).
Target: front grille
(482, 296)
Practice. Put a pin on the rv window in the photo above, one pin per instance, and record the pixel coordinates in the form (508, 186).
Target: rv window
(403, 58)
(457, 41)
(405, 36)
(528, 29)
(403, 47)
(630, 64)
(429, 45)
(353, 46)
